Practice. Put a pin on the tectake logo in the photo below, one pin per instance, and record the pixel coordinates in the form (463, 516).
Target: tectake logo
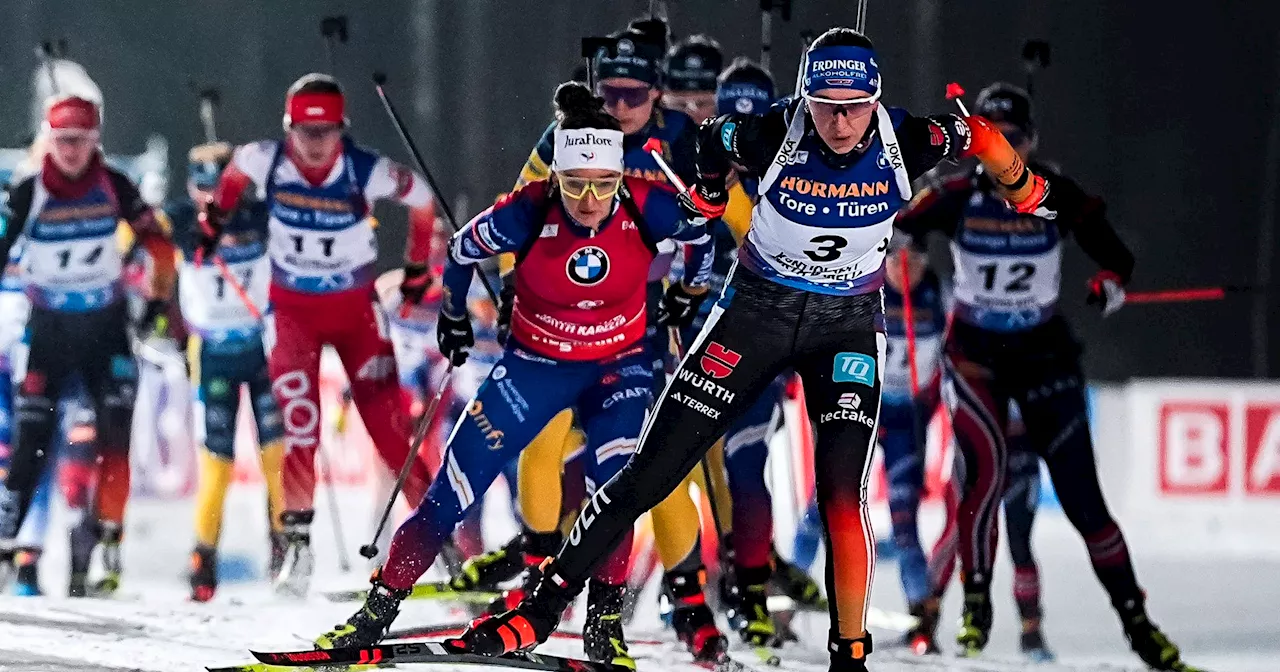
(718, 361)
(849, 400)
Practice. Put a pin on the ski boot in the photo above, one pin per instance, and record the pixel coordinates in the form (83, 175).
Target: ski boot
(84, 538)
(370, 624)
(536, 548)
(279, 549)
(602, 636)
(112, 561)
(295, 575)
(796, 584)
(849, 655)
(975, 620)
(28, 582)
(751, 615)
(692, 619)
(1033, 646)
(530, 623)
(487, 570)
(1146, 640)
(920, 639)
(7, 568)
(204, 573)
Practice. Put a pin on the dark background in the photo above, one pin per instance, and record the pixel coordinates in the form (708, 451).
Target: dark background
(1168, 110)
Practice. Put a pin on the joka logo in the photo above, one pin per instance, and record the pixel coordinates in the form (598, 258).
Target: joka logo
(718, 361)
(588, 266)
(849, 400)
(854, 367)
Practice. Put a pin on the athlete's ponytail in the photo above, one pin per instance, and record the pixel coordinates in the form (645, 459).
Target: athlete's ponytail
(577, 107)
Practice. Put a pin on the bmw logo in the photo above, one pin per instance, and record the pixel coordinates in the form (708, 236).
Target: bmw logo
(588, 266)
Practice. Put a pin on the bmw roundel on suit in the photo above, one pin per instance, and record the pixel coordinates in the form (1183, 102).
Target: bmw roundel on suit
(577, 294)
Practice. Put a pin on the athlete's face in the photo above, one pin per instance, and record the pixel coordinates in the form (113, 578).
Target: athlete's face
(590, 208)
(1022, 143)
(841, 126)
(701, 105)
(893, 271)
(72, 149)
(315, 145)
(628, 100)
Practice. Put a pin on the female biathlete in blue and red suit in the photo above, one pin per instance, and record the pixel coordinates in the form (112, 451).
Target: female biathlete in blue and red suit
(584, 241)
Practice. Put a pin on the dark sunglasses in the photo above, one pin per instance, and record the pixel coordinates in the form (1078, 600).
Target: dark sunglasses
(632, 96)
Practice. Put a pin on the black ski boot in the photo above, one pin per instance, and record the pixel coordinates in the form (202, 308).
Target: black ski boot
(849, 655)
(294, 578)
(692, 619)
(975, 620)
(1146, 640)
(84, 538)
(487, 570)
(796, 584)
(920, 639)
(536, 548)
(751, 614)
(530, 623)
(602, 636)
(370, 624)
(275, 561)
(1031, 643)
(28, 575)
(204, 573)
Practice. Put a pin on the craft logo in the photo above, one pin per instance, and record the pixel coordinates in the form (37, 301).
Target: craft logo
(588, 266)
(499, 372)
(718, 361)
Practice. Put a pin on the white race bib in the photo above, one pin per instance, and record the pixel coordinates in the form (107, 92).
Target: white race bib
(72, 265)
(1007, 283)
(211, 304)
(311, 253)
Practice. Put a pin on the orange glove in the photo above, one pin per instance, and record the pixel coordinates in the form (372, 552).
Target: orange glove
(1023, 188)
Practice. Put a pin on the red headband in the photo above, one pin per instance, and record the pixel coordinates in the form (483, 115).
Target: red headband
(325, 107)
(73, 113)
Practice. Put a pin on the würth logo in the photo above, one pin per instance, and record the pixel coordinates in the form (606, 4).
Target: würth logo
(718, 361)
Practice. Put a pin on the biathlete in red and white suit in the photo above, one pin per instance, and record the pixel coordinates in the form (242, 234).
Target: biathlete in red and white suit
(584, 240)
(320, 187)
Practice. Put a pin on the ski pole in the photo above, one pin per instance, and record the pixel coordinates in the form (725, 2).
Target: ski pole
(654, 147)
(1189, 294)
(379, 83)
(370, 550)
(344, 562)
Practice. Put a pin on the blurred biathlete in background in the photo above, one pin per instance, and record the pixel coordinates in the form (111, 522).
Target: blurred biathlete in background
(584, 241)
(226, 353)
(1008, 342)
(1021, 499)
(67, 214)
(319, 188)
(836, 167)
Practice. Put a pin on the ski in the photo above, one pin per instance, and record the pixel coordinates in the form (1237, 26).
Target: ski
(443, 630)
(425, 652)
(437, 590)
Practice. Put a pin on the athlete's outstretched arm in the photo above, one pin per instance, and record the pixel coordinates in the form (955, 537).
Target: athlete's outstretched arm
(1085, 216)
(665, 218)
(150, 233)
(504, 227)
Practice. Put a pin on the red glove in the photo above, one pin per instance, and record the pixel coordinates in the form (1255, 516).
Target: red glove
(1106, 290)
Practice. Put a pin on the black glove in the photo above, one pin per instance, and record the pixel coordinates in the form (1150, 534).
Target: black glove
(417, 278)
(455, 335)
(155, 319)
(506, 304)
(209, 223)
(679, 307)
